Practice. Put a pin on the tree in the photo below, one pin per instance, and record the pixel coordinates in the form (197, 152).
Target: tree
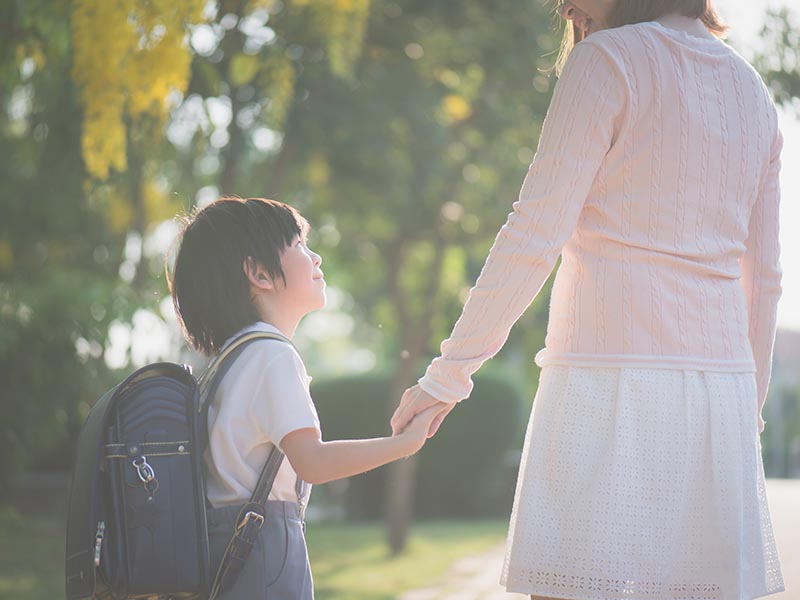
(779, 64)
(77, 188)
(88, 90)
(58, 261)
(779, 61)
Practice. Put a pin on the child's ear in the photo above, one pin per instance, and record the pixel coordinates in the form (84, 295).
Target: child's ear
(256, 274)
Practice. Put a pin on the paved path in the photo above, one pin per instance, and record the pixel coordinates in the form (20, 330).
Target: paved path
(784, 506)
(475, 578)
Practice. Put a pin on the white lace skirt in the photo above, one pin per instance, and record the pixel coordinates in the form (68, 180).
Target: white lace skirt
(642, 483)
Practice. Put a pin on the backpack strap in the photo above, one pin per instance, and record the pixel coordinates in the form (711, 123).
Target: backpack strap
(209, 380)
(251, 516)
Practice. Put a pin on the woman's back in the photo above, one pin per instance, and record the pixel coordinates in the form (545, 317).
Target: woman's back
(652, 271)
(656, 180)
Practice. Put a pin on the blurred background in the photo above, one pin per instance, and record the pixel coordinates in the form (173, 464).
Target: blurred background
(402, 130)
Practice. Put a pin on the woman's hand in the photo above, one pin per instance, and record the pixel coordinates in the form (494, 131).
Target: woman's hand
(416, 432)
(414, 401)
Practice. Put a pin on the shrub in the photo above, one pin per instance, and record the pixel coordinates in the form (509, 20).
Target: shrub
(468, 469)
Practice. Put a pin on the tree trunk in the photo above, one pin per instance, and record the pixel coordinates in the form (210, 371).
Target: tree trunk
(401, 476)
(415, 332)
(232, 153)
(135, 181)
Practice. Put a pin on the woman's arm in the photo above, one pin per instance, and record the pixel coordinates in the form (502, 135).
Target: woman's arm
(761, 272)
(316, 461)
(585, 116)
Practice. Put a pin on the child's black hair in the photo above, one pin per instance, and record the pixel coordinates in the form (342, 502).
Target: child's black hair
(210, 290)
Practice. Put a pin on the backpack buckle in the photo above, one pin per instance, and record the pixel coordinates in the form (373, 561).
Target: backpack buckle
(251, 515)
(143, 469)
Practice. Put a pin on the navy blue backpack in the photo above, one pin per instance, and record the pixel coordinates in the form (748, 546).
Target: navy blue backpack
(136, 523)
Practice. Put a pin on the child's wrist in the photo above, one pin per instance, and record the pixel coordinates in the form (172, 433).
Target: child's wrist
(408, 444)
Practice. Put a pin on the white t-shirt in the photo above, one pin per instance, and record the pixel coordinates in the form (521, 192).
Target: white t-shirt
(263, 396)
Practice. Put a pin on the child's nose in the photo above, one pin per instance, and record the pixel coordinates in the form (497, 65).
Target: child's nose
(316, 258)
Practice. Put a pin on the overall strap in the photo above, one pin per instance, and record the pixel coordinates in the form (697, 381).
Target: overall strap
(301, 488)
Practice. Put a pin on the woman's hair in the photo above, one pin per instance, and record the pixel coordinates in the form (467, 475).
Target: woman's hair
(209, 288)
(627, 12)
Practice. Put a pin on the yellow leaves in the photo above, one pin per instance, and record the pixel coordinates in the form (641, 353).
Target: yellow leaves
(319, 172)
(103, 138)
(346, 27)
(119, 211)
(343, 22)
(116, 207)
(159, 204)
(242, 69)
(130, 55)
(267, 5)
(464, 88)
(455, 108)
(278, 80)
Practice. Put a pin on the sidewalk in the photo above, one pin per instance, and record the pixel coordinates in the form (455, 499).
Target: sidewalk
(476, 577)
(784, 507)
(473, 578)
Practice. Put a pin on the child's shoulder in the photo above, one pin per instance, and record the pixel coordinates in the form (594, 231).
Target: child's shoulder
(266, 348)
(266, 366)
(276, 355)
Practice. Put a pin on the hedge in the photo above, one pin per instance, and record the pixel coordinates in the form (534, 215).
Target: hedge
(468, 469)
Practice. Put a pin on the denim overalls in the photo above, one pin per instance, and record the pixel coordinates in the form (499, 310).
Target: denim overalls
(277, 568)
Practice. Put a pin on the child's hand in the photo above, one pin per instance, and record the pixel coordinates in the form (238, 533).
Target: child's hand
(416, 432)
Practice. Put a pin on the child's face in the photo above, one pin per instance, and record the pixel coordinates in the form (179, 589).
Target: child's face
(304, 291)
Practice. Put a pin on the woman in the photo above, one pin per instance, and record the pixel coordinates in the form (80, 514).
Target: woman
(656, 180)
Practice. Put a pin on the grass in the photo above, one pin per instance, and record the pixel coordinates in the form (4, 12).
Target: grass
(349, 561)
(352, 561)
(31, 556)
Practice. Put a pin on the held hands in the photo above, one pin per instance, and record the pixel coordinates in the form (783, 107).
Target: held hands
(415, 400)
(417, 430)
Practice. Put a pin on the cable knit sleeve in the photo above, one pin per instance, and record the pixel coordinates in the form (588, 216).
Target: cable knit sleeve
(761, 272)
(582, 123)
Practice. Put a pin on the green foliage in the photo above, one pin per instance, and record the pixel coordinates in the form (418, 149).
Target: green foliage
(427, 148)
(63, 243)
(58, 263)
(468, 469)
(779, 62)
(407, 166)
(32, 555)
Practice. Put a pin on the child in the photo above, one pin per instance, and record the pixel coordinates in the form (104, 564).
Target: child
(243, 265)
